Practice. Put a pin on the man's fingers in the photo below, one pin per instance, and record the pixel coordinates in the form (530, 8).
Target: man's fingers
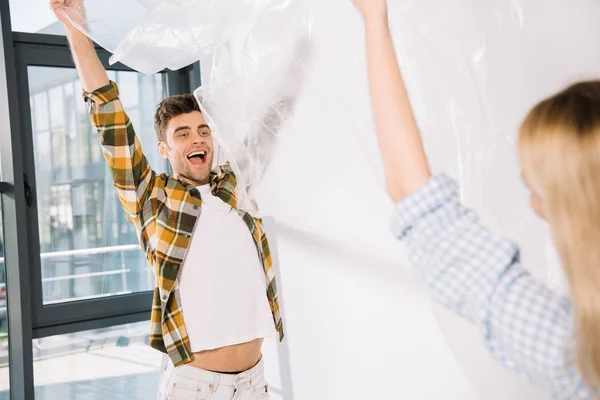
(56, 4)
(59, 8)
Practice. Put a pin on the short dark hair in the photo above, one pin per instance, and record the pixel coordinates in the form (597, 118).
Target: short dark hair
(172, 107)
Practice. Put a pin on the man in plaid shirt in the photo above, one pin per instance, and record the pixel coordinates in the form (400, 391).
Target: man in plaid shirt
(215, 297)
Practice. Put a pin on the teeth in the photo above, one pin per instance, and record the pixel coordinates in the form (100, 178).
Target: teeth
(197, 153)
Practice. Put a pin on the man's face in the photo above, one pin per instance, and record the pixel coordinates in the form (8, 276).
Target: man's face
(189, 147)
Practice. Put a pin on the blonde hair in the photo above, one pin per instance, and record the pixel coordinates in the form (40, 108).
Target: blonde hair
(559, 149)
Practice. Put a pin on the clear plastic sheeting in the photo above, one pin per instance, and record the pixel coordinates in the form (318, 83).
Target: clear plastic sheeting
(150, 35)
(259, 76)
(285, 89)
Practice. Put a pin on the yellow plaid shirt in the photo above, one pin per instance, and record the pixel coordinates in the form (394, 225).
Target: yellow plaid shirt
(164, 211)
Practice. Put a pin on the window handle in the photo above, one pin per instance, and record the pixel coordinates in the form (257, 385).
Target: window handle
(28, 191)
(5, 187)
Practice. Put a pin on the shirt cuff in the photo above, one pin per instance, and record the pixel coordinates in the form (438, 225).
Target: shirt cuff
(434, 194)
(105, 94)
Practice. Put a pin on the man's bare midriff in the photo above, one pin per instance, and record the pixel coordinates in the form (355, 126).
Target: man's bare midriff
(236, 358)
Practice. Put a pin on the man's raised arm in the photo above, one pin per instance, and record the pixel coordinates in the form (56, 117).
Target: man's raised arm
(90, 69)
(132, 176)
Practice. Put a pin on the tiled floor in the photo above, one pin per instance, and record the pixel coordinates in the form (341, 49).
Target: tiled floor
(136, 386)
(117, 373)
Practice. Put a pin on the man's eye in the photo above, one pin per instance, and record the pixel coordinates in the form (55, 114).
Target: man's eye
(184, 134)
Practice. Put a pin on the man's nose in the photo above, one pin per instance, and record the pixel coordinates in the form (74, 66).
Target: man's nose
(198, 138)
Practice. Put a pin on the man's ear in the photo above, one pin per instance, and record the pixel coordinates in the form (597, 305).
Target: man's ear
(163, 149)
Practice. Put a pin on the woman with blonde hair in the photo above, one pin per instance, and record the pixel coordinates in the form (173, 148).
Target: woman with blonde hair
(553, 340)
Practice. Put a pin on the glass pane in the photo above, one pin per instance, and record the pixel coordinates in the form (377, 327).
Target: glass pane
(4, 367)
(111, 363)
(34, 16)
(88, 249)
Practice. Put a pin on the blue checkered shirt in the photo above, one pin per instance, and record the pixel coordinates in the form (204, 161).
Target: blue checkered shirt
(526, 327)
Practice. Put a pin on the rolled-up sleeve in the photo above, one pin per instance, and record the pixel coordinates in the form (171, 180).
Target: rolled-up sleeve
(103, 95)
(526, 327)
(132, 176)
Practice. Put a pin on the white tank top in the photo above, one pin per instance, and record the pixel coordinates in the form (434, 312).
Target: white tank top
(222, 285)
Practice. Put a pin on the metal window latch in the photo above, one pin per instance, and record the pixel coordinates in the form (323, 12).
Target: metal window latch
(5, 187)
(28, 191)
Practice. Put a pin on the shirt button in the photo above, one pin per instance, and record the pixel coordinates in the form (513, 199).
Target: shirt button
(195, 207)
(185, 235)
(174, 266)
(164, 297)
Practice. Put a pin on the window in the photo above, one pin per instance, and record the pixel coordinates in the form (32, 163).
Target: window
(88, 249)
(74, 261)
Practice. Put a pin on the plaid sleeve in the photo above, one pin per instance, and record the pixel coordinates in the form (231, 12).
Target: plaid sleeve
(132, 176)
(526, 327)
(224, 182)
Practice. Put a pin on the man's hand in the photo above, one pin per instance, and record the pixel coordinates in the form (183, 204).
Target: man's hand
(372, 9)
(68, 11)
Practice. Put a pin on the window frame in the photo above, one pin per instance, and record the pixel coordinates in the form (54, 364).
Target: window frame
(16, 257)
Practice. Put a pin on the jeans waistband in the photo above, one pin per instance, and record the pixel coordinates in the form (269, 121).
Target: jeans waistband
(199, 374)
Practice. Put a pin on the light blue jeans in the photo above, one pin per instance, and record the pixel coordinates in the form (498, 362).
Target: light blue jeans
(191, 383)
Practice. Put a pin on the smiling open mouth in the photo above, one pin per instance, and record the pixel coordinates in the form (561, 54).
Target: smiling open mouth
(197, 157)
